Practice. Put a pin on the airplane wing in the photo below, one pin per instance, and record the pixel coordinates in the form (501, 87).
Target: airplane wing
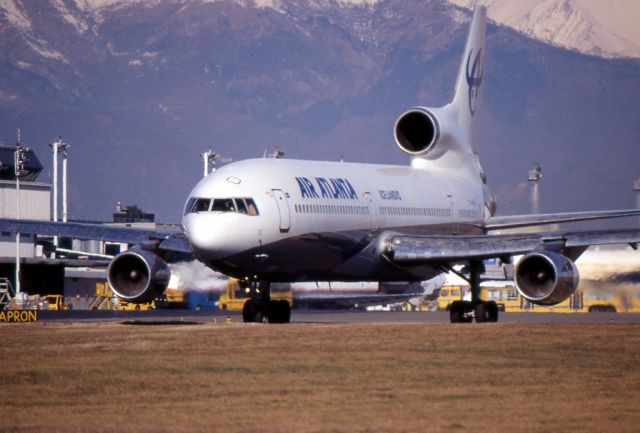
(519, 221)
(167, 241)
(412, 249)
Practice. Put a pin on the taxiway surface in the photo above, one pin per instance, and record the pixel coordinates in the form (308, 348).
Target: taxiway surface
(325, 316)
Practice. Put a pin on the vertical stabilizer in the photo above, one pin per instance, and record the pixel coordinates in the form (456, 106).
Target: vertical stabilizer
(466, 99)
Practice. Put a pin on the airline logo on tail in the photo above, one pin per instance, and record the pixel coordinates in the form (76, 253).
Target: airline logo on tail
(474, 74)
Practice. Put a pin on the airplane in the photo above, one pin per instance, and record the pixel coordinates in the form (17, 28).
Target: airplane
(280, 220)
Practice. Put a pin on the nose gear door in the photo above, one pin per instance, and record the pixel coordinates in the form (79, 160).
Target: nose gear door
(283, 209)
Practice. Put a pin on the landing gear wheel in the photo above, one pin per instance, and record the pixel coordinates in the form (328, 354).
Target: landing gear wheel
(481, 312)
(492, 311)
(486, 311)
(252, 311)
(279, 312)
(459, 312)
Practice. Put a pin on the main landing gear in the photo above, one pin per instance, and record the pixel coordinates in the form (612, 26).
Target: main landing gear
(481, 311)
(261, 308)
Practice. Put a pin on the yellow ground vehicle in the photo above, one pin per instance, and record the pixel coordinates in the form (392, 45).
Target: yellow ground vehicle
(174, 298)
(56, 302)
(447, 295)
(104, 299)
(130, 306)
(589, 298)
(237, 292)
(503, 293)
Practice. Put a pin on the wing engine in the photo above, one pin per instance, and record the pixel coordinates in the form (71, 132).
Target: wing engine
(546, 278)
(138, 275)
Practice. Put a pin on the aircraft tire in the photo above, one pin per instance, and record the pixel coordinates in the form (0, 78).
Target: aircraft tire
(279, 312)
(481, 312)
(250, 311)
(456, 312)
(286, 311)
(492, 311)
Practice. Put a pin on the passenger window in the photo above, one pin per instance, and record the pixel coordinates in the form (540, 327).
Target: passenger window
(251, 206)
(201, 205)
(241, 206)
(223, 205)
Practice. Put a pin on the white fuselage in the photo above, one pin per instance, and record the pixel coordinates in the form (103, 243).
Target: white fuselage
(323, 220)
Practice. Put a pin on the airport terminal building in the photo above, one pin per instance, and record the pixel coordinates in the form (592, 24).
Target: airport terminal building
(34, 200)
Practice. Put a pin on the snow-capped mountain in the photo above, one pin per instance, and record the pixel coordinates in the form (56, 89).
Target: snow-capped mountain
(603, 28)
(141, 88)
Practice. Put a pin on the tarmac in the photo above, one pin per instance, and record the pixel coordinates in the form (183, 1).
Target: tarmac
(322, 316)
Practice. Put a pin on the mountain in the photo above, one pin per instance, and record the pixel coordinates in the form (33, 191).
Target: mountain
(601, 28)
(141, 88)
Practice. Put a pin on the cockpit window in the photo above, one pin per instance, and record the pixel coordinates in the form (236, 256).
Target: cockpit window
(241, 206)
(189, 207)
(223, 205)
(202, 205)
(244, 206)
(197, 205)
(251, 206)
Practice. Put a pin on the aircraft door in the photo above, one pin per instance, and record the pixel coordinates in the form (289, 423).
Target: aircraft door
(454, 213)
(373, 223)
(283, 210)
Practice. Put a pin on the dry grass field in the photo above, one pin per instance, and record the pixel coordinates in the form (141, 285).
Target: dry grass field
(89, 377)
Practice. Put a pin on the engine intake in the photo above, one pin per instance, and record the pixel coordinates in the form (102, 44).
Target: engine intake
(546, 278)
(138, 276)
(416, 131)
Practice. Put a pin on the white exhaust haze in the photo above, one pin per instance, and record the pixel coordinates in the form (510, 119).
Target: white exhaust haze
(196, 276)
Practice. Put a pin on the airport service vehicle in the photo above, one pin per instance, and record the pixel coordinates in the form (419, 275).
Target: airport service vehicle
(276, 220)
(132, 306)
(104, 297)
(238, 292)
(56, 302)
(448, 295)
(201, 300)
(584, 300)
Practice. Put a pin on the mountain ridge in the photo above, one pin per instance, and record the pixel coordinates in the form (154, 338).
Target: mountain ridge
(146, 88)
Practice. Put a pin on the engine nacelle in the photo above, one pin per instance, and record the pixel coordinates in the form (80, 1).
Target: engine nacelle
(138, 276)
(417, 131)
(546, 278)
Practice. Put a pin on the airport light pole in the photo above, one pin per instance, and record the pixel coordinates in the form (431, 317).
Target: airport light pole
(636, 188)
(20, 159)
(64, 181)
(535, 175)
(56, 147)
(209, 157)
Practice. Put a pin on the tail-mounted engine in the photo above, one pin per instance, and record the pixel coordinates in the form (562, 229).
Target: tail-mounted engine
(417, 131)
(138, 275)
(546, 278)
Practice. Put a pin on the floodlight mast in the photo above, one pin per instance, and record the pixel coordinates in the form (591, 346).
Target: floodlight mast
(535, 175)
(20, 159)
(636, 188)
(209, 158)
(56, 147)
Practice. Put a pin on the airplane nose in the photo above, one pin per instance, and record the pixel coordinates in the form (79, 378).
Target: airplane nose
(205, 235)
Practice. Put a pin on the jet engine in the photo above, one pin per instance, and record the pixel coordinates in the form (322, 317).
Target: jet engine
(417, 131)
(546, 278)
(138, 275)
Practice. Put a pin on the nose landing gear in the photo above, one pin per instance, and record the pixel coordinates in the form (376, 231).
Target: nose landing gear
(262, 309)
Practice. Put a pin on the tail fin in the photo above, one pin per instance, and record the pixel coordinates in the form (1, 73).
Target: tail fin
(466, 99)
